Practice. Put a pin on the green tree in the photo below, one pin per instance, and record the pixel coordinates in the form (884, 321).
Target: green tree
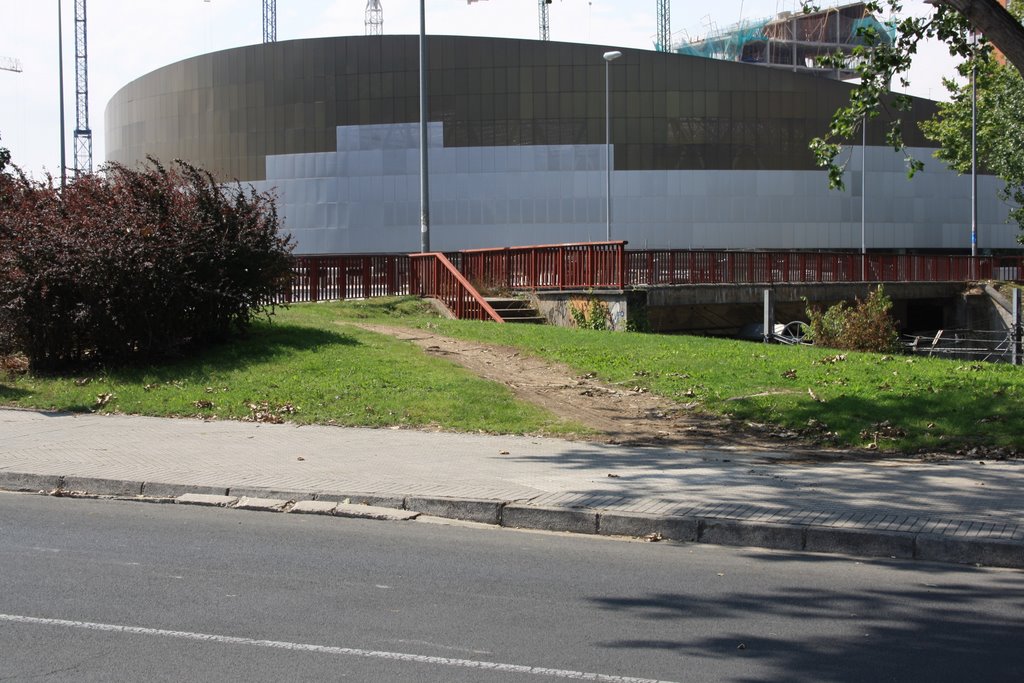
(1000, 128)
(879, 63)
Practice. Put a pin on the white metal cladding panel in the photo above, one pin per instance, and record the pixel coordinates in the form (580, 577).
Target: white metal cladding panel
(365, 197)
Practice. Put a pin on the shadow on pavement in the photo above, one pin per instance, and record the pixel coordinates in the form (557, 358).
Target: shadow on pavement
(948, 628)
(923, 489)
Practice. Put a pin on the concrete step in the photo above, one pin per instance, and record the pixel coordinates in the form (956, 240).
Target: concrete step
(508, 303)
(528, 320)
(516, 310)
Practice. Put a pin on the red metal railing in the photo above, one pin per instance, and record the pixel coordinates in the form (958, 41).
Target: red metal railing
(554, 266)
(684, 267)
(359, 276)
(609, 265)
(433, 275)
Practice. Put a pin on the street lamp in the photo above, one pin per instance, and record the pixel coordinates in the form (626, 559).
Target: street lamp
(424, 149)
(974, 148)
(863, 197)
(609, 57)
(60, 80)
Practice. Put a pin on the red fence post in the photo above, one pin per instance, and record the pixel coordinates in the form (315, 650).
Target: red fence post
(561, 268)
(620, 254)
(314, 279)
(343, 278)
(368, 278)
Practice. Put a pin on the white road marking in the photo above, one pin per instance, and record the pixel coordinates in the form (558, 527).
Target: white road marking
(327, 649)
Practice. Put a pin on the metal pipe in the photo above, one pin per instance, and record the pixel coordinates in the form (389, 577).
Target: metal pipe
(424, 185)
(974, 152)
(60, 79)
(863, 201)
(608, 58)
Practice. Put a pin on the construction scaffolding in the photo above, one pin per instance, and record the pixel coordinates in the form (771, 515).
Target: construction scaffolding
(795, 41)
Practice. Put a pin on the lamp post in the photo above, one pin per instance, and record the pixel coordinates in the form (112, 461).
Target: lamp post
(424, 187)
(863, 201)
(60, 80)
(609, 57)
(974, 149)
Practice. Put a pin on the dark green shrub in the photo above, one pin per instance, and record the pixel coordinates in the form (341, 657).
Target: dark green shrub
(133, 265)
(590, 313)
(866, 326)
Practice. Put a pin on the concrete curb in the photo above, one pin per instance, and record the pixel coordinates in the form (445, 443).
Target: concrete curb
(17, 481)
(713, 531)
(519, 516)
(466, 509)
(758, 535)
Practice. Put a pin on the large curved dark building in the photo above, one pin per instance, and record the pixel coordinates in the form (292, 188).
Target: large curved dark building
(707, 153)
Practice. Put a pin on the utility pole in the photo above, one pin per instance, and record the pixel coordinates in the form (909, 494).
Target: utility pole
(60, 87)
(424, 142)
(374, 18)
(269, 21)
(83, 134)
(664, 43)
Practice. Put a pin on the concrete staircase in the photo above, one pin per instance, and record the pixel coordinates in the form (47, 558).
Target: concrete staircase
(516, 310)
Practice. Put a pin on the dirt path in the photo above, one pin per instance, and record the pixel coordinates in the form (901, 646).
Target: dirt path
(621, 414)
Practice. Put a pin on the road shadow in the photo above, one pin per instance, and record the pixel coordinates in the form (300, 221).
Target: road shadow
(956, 625)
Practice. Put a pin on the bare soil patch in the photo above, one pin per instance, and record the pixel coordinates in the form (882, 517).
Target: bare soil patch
(618, 414)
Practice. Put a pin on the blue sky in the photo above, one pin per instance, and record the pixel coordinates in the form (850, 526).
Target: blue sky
(128, 38)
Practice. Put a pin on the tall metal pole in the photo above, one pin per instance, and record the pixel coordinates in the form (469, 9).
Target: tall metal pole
(608, 58)
(424, 186)
(974, 152)
(863, 201)
(60, 79)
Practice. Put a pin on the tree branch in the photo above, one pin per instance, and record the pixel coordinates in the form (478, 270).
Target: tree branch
(993, 21)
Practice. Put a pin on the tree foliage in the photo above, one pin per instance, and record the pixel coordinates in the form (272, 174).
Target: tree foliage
(132, 265)
(879, 63)
(1000, 125)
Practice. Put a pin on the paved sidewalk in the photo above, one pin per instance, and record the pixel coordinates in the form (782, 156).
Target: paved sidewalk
(955, 511)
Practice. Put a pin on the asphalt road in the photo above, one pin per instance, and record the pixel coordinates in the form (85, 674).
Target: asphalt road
(106, 590)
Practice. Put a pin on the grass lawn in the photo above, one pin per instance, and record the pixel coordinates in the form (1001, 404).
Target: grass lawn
(339, 374)
(852, 399)
(303, 368)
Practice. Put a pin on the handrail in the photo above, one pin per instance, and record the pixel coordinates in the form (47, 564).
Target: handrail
(551, 266)
(608, 265)
(686, 267)
(433, 275)
(336, 277)
(612, 243)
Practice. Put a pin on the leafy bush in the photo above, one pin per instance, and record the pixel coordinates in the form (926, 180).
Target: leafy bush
(866, 326)
(590, 314)
(133, 264)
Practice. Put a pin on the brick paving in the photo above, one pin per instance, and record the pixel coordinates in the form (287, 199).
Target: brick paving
(960, 499)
